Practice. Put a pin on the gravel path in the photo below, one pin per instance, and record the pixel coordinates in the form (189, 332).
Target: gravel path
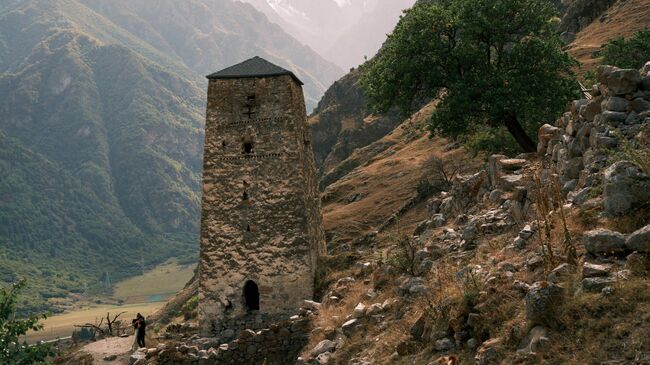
(121, 347)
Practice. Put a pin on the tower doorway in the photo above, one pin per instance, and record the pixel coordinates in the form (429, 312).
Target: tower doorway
(251, 296)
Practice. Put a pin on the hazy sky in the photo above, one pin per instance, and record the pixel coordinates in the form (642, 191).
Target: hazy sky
(342, 31)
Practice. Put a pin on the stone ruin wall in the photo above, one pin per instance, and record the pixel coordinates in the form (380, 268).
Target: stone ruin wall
(279, 344)
(274, 237)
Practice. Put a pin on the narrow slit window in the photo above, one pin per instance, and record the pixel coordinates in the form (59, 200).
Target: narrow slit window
(248, 228)
(244, 196)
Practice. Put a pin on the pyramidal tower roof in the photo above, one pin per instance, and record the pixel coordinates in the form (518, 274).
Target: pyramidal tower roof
(254, 67)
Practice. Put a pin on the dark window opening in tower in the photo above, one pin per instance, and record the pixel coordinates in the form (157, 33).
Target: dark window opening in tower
(250, 106)
(223, 143)
(248, 147)
(244, 196)
(248, 228)
(251, 296)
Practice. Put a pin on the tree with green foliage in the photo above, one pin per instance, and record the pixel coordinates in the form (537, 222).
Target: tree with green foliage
(500, 63)
(12, 327)
(628, 53)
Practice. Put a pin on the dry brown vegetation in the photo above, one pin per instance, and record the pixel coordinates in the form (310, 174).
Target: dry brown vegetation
(590, 329)
(625, 18)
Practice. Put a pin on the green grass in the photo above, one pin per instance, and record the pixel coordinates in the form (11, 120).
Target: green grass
(63, 325)
(165, 279)
(143, 294)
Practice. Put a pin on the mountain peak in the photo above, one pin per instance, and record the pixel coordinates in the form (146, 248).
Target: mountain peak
(253, 67)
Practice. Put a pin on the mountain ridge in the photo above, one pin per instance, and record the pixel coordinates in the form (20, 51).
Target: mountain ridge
(110, 132)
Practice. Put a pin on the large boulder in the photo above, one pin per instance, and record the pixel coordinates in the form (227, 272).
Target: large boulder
(604, 242)
(640, 240)
(619, 81)
(625, 185)
(615, 104)
(542, 302)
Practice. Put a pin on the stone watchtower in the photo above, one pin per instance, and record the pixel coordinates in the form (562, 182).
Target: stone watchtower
(261, 226)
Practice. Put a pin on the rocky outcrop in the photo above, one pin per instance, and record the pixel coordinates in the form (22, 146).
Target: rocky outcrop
(578, 14)
(613, 119)
(342, 123)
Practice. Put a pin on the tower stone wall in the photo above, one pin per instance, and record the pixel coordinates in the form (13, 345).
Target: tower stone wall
(261, 228)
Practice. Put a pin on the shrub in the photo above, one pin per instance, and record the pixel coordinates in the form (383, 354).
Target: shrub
(402, 256)
(189, 308)
(12, 327)
(633, 52)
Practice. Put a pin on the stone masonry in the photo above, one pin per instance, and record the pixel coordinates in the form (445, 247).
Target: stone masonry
(261, 226)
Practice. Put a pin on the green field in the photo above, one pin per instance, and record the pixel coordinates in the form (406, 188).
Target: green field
(143, 294)
(154, 286)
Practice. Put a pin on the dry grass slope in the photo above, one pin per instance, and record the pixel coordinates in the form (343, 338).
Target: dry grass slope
(624, 19)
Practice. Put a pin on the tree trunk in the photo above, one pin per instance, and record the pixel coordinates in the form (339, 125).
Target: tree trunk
(518, 132)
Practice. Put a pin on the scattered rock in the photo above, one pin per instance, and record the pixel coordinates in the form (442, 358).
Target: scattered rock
(359, 311)
(604, 242)
(322, 347)
(607, 291)
(311, 305)
(444, 344)
(639, 240)
(597, 284)
(513, 164)
(624, 186)
(542, 302)
(561, 273)
(350, 327)
(590, 270)
(519, 243)
(374, 309)
(526, 233)
(412, 286)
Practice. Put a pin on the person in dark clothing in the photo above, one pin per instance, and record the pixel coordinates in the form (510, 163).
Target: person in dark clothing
(140, 326)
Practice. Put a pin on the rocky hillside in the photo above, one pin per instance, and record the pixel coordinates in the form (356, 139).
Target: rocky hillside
(543, 258)
(620, 19)
(439, 257)
(101, 126)
(341, 123)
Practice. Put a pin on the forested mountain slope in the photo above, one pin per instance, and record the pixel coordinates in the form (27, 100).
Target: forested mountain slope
(101, 122)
